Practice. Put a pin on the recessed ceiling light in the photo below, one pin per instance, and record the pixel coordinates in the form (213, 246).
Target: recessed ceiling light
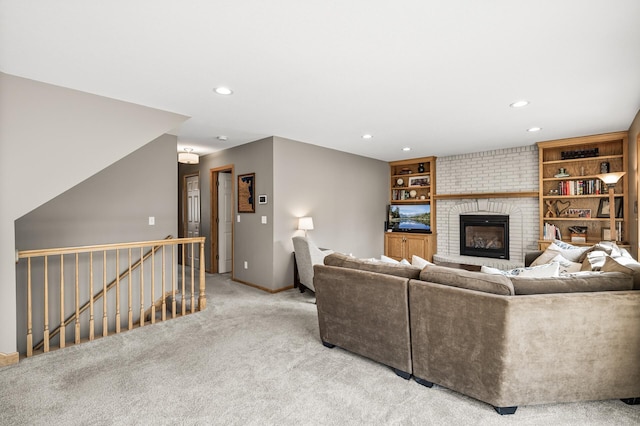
(534, 129)
(367, 136)
(223, 90)
(406, 148)
(519, 104)
(222, 138)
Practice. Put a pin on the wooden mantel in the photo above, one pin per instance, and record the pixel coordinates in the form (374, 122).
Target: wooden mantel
(531, 194)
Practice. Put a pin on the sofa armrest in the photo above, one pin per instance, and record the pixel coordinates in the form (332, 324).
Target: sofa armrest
(364, 312)
(531, 256)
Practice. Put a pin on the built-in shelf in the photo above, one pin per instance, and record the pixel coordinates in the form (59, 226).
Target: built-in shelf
(530, 194)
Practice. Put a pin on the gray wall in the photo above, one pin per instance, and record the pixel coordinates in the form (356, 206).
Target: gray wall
(252, 239)
(67, 136)
(346, 194)
(112, 206)
(634, 135)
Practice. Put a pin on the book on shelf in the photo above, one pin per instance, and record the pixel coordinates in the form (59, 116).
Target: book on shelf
(551, 232)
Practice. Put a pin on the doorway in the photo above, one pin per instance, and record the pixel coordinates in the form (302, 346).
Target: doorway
(222, 219)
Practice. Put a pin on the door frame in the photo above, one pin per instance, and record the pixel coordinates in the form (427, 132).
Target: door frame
(213, 243)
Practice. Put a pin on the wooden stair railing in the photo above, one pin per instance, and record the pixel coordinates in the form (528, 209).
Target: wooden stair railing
(188, 252)
(100, 294)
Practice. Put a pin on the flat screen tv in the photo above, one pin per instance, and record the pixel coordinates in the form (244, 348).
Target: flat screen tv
(410, 217)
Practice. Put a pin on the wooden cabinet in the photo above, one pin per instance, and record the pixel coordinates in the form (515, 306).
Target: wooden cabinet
(401, 245)
(411, 182)
(570, 192)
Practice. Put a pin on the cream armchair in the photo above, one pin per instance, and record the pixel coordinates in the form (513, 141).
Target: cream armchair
(307, 254)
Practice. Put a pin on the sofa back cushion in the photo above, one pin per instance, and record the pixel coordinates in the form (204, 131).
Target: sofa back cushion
(397, 270)
(623, 264)
(471, 280)
(578, 282)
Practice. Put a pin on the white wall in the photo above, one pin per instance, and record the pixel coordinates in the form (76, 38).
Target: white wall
(503, 170)
(62, 136)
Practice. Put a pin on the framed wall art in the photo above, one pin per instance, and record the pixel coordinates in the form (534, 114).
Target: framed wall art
(246, 193)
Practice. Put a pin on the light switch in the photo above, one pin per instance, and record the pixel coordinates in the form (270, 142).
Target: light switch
(264, 219)
(152, 220)
(238, 218)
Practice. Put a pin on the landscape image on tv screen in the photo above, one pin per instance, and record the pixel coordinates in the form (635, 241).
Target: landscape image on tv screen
(416, 217)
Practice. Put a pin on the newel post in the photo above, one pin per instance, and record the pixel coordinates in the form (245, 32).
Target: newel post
(202, 299)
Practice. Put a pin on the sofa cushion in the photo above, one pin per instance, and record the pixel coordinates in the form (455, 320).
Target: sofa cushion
(488, 283)
(593, 260)
(419, 262)
(625, 265)
(577, 282)
(395, 269)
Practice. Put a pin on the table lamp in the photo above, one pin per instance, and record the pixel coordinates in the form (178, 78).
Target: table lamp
(305, 224)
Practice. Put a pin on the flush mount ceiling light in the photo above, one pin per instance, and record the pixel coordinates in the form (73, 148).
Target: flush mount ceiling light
(223, 90)
(534, 129)
(519, 104)
(367, 136)
(188, 157)
(222, 138)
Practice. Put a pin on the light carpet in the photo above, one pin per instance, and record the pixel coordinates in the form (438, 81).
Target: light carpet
(250, 358)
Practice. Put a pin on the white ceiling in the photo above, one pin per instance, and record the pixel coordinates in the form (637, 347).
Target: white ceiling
(436, 76)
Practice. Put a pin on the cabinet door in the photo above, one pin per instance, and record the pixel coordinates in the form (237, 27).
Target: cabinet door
(393, 245)
(416, 245)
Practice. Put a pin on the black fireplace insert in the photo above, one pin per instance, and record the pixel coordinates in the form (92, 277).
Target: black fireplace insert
(484, 236)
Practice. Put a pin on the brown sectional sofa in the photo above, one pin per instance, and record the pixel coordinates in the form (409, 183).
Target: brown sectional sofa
(476, 334)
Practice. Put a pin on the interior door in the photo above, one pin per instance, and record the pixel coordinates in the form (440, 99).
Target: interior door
(225, 222)
(193, 218)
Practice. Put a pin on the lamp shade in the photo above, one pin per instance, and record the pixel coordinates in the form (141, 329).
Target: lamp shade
(305, 223)
(188, 157)
(610, 178)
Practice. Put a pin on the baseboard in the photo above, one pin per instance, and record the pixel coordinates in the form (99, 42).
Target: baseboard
(268, 290)
(9, 359)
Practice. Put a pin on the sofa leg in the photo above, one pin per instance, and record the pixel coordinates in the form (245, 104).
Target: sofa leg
(505, 410)
(631, 401)
(423, 382)
(328, 345)
(402, 374)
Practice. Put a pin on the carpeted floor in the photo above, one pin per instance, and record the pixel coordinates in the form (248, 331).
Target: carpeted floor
(250, 358)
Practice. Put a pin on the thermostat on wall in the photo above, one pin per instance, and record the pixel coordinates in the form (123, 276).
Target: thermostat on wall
(262, 199)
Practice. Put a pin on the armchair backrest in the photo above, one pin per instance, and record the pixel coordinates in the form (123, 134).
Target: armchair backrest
(307, 255)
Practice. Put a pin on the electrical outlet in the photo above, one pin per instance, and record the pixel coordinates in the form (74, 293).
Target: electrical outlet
(246, 265)
(264, 219)
(152, 220)
(238, 218)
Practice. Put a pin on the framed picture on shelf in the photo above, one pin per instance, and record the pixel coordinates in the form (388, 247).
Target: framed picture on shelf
(606, 234)
(420, 181)
(246, 191)
(603, 208)
(583, 213)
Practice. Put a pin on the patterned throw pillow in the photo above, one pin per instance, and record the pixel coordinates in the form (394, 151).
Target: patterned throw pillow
(566, 266)
(542, 271)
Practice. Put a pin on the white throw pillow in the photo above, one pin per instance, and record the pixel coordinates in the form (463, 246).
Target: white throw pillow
(542, 271)
(566, 266)
(419, 262)
(387, 259)
(405, 262)
(572, 254)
